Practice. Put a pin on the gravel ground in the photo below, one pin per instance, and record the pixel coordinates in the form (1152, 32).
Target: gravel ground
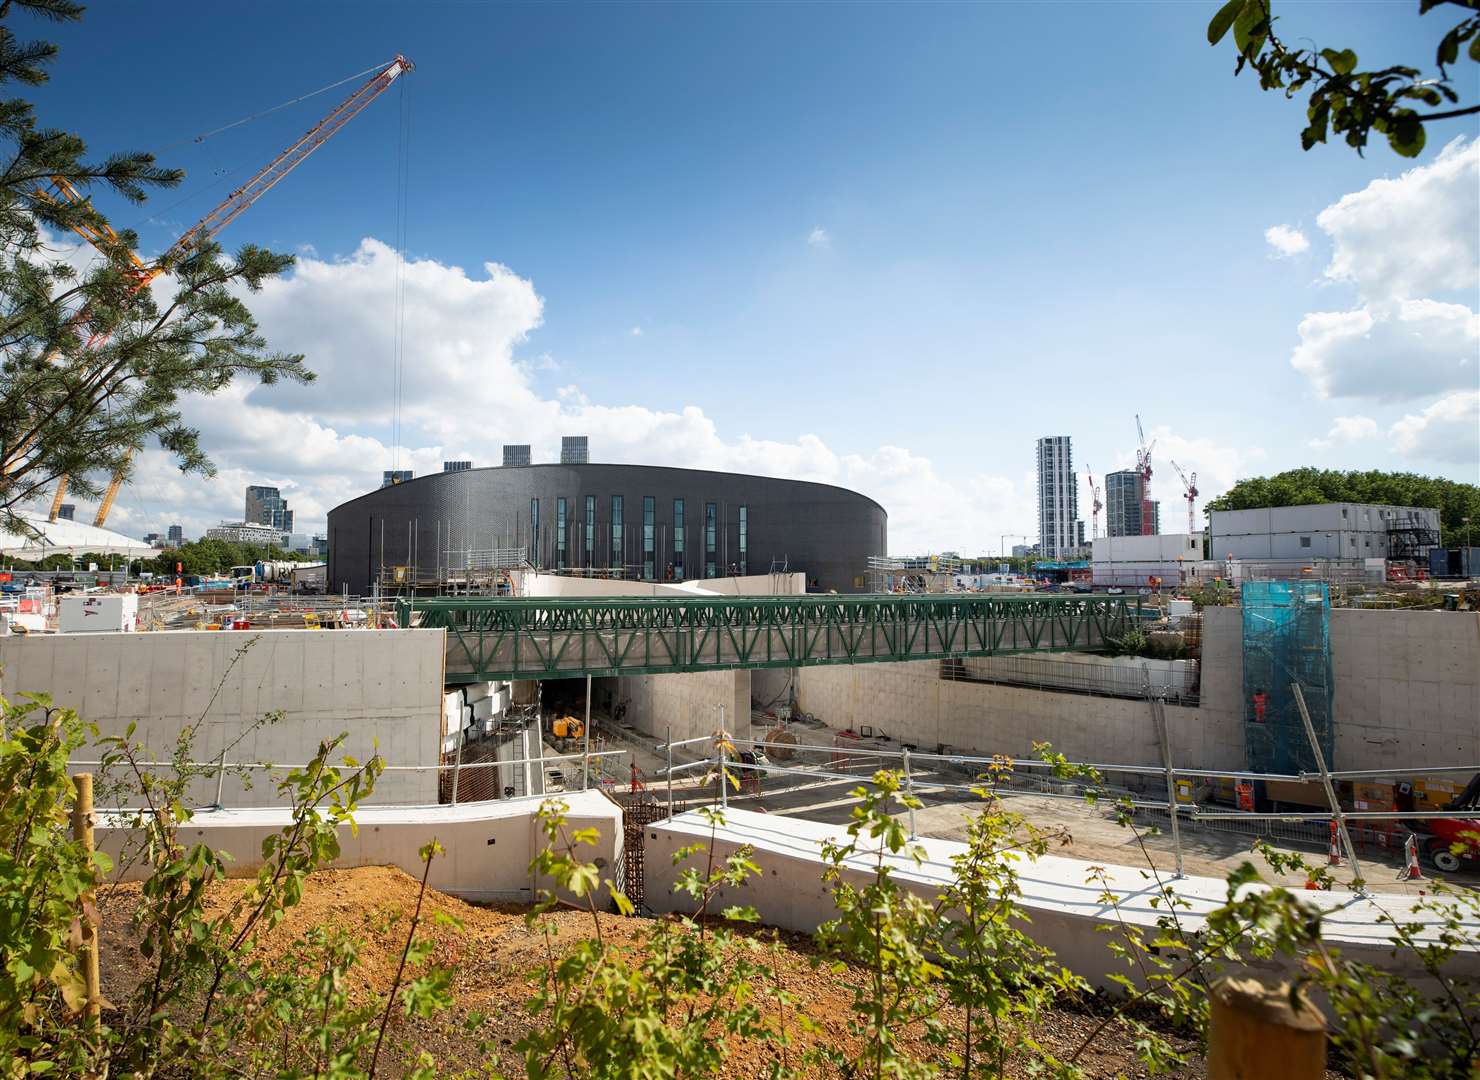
(495, 954)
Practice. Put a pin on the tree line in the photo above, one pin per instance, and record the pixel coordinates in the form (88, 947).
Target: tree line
(1299, 487)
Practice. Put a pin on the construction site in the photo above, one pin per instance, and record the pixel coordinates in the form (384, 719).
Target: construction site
(646, 642)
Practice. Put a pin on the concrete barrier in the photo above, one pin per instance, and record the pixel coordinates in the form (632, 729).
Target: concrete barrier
(489, 844)
(1066, 908)
(381, 687)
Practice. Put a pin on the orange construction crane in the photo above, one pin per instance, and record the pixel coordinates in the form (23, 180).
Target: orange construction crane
(1143, 468)
(1095, 504)
(1189, 488)
(227, 211)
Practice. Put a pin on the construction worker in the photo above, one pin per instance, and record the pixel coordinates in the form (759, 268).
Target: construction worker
(1261, 701)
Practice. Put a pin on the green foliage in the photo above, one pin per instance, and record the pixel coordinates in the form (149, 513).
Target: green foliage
(676, 998)
(995, 972)
(44, 877)
(1134, 642)
(1384, 1025)
(880, 941)
(1297, 487)
(92, 366)
(1343, 99)
(207, 1004)
(1220, 594)
(210, 556)
(666, 1006)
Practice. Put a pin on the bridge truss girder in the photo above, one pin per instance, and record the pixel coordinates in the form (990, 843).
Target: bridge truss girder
(538, 638)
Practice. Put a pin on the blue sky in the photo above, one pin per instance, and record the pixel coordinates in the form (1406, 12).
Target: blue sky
(921, 235)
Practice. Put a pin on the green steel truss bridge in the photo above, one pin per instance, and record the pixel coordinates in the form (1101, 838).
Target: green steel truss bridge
(538, 638)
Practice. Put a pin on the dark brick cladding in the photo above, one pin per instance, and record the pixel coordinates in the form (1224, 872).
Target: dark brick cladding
(823, 531)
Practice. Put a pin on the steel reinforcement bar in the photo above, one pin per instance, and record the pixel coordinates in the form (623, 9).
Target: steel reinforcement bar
(539, 638)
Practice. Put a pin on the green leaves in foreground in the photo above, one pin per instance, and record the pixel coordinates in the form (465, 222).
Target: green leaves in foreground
(1344, 100)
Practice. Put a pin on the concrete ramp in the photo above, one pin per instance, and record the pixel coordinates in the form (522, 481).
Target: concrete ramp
(1067, 912)
(489, 844)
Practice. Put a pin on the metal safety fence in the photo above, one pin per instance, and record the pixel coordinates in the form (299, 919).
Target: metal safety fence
(785, 768)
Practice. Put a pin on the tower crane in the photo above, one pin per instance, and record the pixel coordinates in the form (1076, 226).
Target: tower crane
(1189, 488)
(1143, 469)
(1095, 504)
(224, 213)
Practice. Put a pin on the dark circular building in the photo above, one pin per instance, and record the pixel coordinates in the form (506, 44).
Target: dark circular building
(645, 522)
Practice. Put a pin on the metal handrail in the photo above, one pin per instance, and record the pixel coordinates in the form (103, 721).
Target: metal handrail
(453, 766)
(1176, 810)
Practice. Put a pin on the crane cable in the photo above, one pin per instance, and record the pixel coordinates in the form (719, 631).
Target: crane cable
(398, 354)
(203, 136)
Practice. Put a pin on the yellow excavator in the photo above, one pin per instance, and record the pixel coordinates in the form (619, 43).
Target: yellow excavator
(566, 730)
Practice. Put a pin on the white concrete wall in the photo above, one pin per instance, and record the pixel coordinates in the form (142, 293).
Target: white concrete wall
(1067, 912)
(379, 686)
(1407, 687)
(912, 703)
(688, 703)
(489, 845)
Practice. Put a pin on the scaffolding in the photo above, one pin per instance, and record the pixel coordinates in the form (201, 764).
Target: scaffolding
(1286, 641)
(1409, 539)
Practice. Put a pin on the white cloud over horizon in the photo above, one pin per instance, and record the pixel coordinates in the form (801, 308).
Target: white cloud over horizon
(467, 392)
(1448, 430)
(1347, 429)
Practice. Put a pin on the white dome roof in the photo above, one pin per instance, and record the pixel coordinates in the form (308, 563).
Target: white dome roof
(40, 538)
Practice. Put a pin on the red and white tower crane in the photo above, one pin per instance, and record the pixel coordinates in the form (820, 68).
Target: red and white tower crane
(227, 211)
(1143, 469)
(1189, 490)
(1095, 504)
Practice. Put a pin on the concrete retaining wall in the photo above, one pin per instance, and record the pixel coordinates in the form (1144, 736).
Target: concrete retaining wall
(381, 686)
(1407, 694)
(1066, 907)
(489, 844)
(689, 703)
(912, 703)
(1407, 687)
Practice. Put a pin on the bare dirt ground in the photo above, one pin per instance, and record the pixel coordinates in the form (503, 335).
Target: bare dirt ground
(495, 954)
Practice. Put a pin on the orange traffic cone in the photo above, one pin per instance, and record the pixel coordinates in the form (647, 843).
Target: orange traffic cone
(1334, 857)
(1412, 871)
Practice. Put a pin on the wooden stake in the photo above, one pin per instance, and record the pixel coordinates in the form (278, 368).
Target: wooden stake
(1260, 1031)
(87, 952)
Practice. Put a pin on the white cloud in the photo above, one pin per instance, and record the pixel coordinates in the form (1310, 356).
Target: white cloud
(1416, 235)
(1401, 243)
(467, 392)
(1347, 429)
(636, 331)
(1448, 430)
(1286, 241)
(819, 238)
(1419, 347)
